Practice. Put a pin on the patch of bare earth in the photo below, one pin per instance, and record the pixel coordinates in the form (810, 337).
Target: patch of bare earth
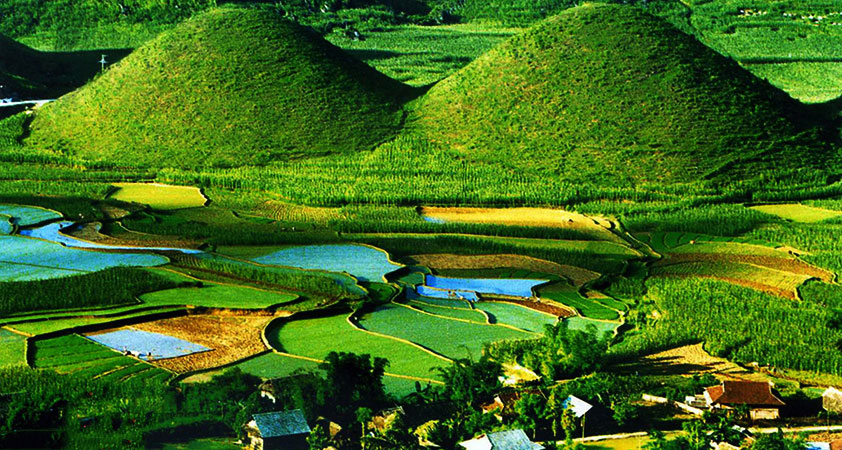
(690, 360)
(445, 261)
(231, 338)
(90, 232)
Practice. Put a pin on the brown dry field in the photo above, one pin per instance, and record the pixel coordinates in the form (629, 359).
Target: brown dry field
(790, 264)
(690, 360)
(528, 217)
(444, 261)
(231, 338)
(542, 305)
(132, 238)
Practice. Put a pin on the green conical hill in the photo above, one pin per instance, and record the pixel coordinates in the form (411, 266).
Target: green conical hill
(609, 92)
(229, 87)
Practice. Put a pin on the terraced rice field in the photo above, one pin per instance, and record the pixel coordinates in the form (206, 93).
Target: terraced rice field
(75, 354)
(798, 212)
(23, 259)
(12, 349)
(363, 262)
(460, 313)
(219, 296)
(451, 338)
(47, 323)
(159, 196)
(517, 316)
(27, 215)
(588, 307)
(315, 338)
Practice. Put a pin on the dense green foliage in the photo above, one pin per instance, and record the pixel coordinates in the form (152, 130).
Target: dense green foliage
(280, 90)
(109, 287)
(575, 99)
(559, 353)
(740, 324)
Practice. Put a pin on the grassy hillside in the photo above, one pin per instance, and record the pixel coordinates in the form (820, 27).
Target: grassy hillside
(609, 92)
(227, 88)
(32, 74)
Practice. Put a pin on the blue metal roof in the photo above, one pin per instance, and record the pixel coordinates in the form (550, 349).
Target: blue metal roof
(511, 440)
(278, 424)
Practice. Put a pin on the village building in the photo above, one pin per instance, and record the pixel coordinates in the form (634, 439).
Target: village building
(287, 430)
(502, 440)
(763, 404)
(832, 400)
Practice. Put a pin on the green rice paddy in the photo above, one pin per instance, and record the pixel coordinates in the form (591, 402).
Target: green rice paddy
(74, 353)
(591, 308)
(517, 316)
(218, 296)
(12, 348)
(315, 338)
(454, 339)
(461, 313)
(798, 213)
(582, 323)
(159, 196)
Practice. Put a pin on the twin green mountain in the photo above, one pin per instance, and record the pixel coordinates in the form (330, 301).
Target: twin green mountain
(599, 92)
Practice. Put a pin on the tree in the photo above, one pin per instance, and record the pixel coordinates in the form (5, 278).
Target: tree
(466, 382)
(530, 408)
(352, 381)
(777, 441)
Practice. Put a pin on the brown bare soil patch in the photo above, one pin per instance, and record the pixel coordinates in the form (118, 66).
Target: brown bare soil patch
(792, 265)
(90, 232)
(541, 304)
(689, 360)
(231, 338)
(445, 261)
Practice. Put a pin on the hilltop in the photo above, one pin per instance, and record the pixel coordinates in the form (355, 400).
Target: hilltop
(230, 87)
(608, 92)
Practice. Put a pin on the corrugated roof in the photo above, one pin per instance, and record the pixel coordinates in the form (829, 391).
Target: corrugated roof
(278, 424)
(752, 393)
(579, 406)
(503, 440)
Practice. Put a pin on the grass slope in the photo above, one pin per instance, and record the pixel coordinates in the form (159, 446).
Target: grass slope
(229, 87)
(607, 92)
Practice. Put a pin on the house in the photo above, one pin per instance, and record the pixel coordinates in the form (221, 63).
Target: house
(577, 405)
(502, 440)
(763, 404)
(832, 400)
(287, 430)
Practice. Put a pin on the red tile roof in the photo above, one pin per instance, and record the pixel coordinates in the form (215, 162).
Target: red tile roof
(752, 393)
(836, 445)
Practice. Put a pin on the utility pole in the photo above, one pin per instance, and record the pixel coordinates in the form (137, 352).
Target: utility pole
(102, 63)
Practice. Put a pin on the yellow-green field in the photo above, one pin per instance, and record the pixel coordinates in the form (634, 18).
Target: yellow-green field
(798, 212)
(159, 196)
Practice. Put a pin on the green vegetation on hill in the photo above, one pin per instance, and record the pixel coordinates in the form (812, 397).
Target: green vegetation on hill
(611, 93)
(229, 87)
